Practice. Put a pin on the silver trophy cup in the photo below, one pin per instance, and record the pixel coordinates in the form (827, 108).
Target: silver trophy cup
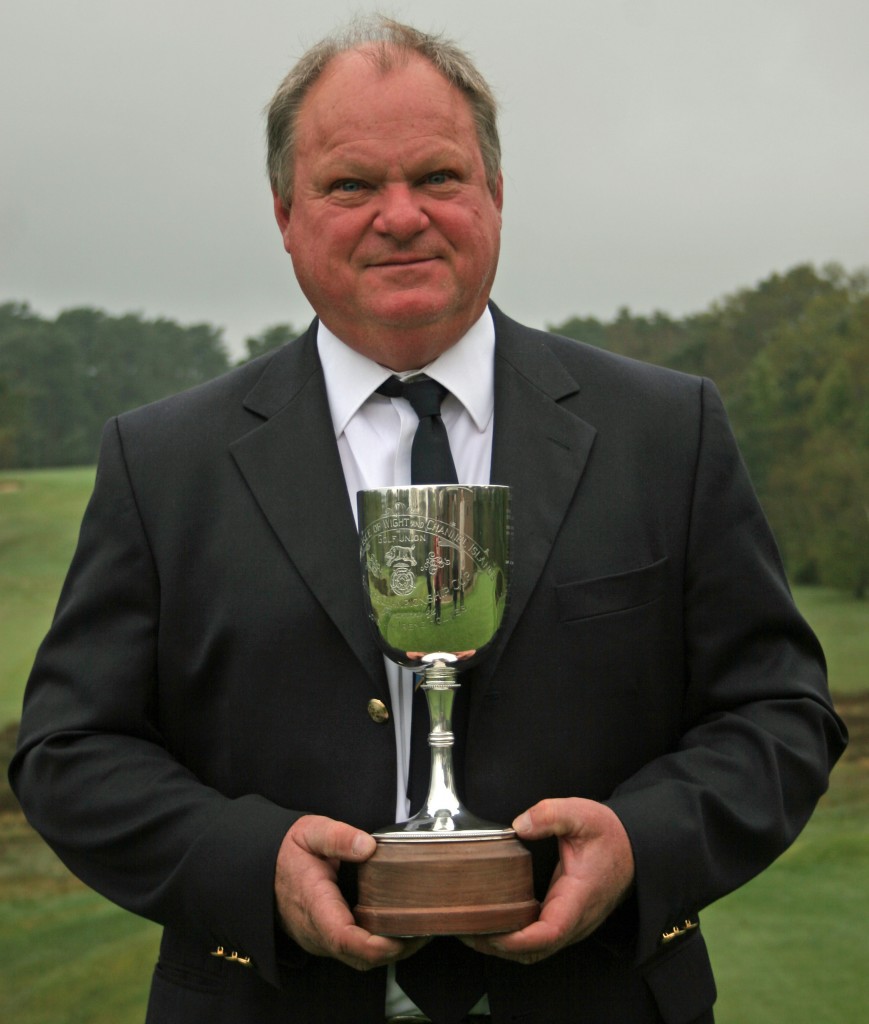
(435, 570)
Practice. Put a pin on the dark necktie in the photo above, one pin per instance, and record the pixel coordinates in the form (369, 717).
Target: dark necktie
(445, 978)
(431, 461)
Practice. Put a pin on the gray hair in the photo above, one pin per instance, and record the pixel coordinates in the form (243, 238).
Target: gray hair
(386, 42)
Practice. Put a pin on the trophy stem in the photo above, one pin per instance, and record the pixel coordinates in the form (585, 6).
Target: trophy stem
(442, 803)
(443, 815)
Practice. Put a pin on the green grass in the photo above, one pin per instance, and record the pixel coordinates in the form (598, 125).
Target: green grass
(788, 948)
(40, 513)
(842, 626)
(69, 956)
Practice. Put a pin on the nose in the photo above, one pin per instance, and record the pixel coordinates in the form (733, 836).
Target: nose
(400, 214)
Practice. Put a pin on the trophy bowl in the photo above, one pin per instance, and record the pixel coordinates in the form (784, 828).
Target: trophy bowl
(435, 571)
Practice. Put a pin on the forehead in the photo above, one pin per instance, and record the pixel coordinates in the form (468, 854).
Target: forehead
(355, 98)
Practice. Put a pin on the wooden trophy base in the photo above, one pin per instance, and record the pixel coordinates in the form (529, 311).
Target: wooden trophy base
(446, 887)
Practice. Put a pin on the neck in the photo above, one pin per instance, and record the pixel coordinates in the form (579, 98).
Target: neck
(402, 348)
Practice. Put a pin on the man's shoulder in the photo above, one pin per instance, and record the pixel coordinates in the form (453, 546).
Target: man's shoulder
(587, 364)
(271, 376)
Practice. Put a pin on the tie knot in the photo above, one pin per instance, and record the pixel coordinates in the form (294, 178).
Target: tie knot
(424, 394)
(431, 461)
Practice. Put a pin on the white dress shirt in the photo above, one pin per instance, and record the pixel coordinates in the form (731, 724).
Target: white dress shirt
(375, 434)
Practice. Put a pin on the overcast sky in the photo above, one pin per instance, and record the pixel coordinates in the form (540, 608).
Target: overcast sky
(658, 154)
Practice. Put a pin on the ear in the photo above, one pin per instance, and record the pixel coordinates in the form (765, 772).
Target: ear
(282, 216)
(499, 192)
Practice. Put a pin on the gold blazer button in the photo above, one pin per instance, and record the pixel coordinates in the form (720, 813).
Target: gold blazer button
(377, 711)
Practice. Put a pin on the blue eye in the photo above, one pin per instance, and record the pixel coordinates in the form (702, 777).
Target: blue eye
(438, 178)
(348, 186)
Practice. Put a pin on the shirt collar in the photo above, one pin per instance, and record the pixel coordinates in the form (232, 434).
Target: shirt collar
(466, 369)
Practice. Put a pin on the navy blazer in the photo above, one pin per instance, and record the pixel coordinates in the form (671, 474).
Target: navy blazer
(207, 677)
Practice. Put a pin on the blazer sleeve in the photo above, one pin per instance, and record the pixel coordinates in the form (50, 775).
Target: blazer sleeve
(92, 770)
(759, 734)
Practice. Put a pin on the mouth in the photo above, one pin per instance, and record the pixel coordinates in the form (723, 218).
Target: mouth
(403, 261)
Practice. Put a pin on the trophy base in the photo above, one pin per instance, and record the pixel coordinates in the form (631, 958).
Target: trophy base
(446, 887)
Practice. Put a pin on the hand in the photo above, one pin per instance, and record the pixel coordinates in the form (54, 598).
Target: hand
(594, 874)
(311, 907)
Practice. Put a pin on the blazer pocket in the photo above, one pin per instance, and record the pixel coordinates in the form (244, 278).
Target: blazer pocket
(608, 594)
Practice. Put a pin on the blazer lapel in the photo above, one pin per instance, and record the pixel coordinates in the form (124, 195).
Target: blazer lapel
(292, 466)
(540, 450)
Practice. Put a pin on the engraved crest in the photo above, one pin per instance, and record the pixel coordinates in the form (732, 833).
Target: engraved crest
(434, 562)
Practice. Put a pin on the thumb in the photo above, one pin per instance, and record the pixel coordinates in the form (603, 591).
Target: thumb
(526, 827)
(326, 837)
(553, 817)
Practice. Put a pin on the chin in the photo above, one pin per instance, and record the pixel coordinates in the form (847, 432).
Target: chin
(413, 310)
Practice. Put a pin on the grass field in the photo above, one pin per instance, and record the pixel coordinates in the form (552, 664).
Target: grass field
(842, 625)
(789, 948)
(39, 518)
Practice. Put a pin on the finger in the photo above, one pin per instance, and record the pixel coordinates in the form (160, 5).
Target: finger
(325, 837)
(411, 946)
(326, 927)
(363, 951)
(530, 945)
(552, 930)
(553, 817)
(562, 921)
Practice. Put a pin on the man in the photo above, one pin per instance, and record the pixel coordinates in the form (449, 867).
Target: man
(196, 742)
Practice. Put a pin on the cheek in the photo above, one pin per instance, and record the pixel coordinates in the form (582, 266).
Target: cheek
(329, 241)
(474, 229)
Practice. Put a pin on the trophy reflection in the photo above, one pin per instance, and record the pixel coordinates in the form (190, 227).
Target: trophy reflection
(435, 569)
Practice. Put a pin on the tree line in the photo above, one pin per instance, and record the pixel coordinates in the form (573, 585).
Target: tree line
(61, 379)
(791, 359)
(790, 356)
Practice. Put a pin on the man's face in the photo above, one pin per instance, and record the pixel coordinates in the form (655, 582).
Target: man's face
(392, 229)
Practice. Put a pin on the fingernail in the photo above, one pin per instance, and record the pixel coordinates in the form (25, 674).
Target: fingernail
(363, 846)
(522, 823)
